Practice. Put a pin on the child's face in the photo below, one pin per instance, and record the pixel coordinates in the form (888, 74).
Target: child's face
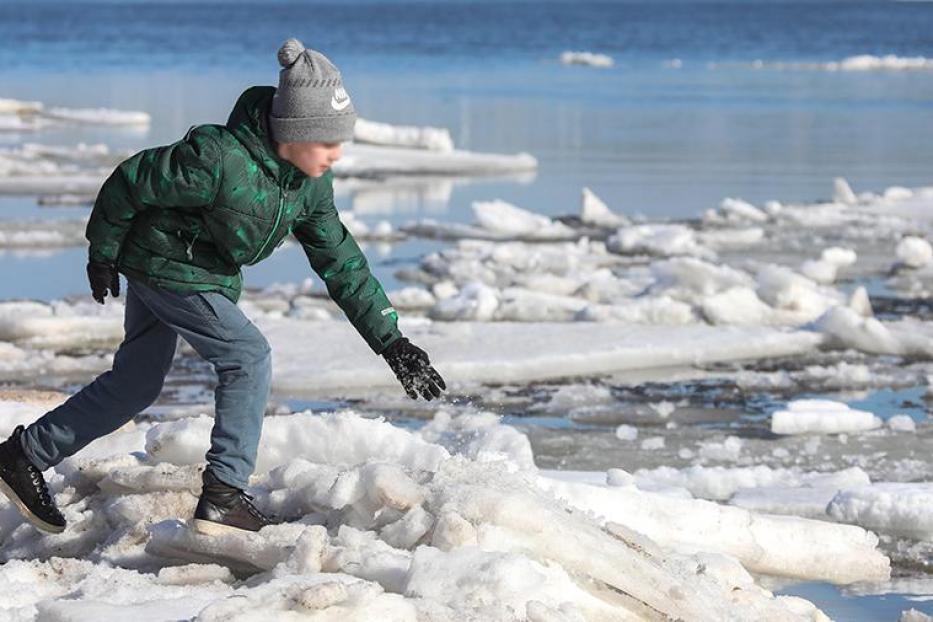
(312, 158)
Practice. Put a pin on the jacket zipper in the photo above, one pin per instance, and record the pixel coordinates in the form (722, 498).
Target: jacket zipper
(188, 252)
(275, 225)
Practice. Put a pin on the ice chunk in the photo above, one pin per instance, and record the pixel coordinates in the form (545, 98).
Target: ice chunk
(594, 212)
(626, 432)
(18, 106)
(759, 541)
(866, 62)
(652, 442)
(914, 252)
(823, 417)
(860, 303)
(826, 268)
(98, 116)
(360, 160)
(496, 584)
(889, 507)
(657, 239)
(842, 192)
(193, 574)
(846, 327)
(505, 218)
(586, 58)
(902, 423)
(431, 138)
(737, 209)
(785, 289)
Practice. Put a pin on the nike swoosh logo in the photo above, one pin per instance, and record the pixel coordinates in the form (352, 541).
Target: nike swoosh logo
(339, 105)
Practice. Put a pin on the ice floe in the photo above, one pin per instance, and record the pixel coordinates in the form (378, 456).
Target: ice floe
(31, 115)
(821, 416)
(373, 132)
(592, 59)
(861, 62)
(362, 160)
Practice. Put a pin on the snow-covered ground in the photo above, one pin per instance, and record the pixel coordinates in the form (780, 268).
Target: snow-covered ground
(453, 521)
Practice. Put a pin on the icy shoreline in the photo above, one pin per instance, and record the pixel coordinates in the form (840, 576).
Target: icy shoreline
(419, 525)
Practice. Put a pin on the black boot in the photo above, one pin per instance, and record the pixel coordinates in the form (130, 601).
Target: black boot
(224, 509)
(22, 482)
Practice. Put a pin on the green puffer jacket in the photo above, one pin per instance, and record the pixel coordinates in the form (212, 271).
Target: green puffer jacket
(186, 216)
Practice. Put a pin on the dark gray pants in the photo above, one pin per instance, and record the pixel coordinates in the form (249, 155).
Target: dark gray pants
(218, 331)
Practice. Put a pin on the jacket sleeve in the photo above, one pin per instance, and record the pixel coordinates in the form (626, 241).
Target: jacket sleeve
(185, 173)
(336, 258)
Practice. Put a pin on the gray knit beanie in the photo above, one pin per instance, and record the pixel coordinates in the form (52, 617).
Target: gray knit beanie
(310, 104)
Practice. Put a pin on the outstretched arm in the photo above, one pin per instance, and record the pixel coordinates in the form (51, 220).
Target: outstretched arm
(336, 258)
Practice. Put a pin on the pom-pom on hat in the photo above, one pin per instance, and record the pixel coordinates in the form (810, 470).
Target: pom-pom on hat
(310, 104)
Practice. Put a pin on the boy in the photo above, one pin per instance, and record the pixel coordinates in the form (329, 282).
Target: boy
(178, 221)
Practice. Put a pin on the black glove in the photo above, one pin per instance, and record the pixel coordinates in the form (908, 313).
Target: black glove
(102, 276)
(413, 369)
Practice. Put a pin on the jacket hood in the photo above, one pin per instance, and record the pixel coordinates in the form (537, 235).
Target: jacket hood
(248, 121)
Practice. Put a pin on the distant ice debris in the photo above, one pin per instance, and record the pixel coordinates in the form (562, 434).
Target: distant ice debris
(16, 106)
(914, 251)
(98, 116)
(868, 62)
(862, 62)
(810, 416)
(657, 239)
(742, 210)
(825, 269)
(674, 63)
(594, 212)
(847, 327)
(842, 192)
(35, 115)
(430, 138)
(496, 220)
(361, 160)
(586, 58)
(504, 218)
(33, 168)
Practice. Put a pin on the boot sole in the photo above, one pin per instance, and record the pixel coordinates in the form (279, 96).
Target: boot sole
(26, 512)
(210, 528)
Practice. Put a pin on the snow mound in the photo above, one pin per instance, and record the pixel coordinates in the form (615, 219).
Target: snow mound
(384, 523)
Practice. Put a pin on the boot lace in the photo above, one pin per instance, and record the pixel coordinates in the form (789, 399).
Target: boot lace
(38, 483)
(247, 501)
